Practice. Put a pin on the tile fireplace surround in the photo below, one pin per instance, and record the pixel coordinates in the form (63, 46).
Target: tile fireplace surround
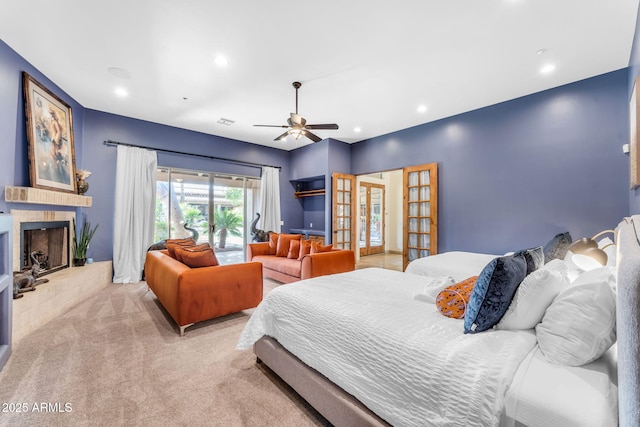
(65, 288)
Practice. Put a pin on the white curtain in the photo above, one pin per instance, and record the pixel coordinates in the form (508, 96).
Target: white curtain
(134, 212)
(270, 199)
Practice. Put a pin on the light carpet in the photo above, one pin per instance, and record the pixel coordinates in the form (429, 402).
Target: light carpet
(117, 359)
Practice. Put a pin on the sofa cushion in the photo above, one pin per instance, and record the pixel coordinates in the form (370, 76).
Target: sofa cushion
(305, 249)
(198, 258)
(282, 250)
(294, 249)
(179, 249)
(283, 265)
(273, 243)
(316, 248)
(173, 243)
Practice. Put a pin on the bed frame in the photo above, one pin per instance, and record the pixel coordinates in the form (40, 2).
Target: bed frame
(342, 409)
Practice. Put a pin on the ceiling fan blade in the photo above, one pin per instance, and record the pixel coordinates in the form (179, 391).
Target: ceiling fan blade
(272, 126)
(282, 137)
(323, 126)
(311, 136)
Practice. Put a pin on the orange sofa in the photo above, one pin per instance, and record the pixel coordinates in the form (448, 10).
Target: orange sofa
(192, 295)
(288, 270)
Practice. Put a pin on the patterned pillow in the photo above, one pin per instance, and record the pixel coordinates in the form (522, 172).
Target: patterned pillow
(557, 247)
(493, 292)
(534, 258)
(452, 300)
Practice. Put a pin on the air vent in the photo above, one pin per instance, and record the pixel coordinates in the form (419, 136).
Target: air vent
(226, 122)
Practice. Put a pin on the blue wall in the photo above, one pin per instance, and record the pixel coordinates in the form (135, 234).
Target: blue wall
(101, 160)
(14, 160)
(514, 174)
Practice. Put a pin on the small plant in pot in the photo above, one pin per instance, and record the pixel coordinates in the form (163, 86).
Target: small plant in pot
(80, 242)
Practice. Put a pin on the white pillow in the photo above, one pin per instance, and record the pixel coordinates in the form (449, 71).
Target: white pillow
(580, 324)
(534, 295)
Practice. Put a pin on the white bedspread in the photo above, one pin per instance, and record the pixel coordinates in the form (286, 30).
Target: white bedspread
(400, 357)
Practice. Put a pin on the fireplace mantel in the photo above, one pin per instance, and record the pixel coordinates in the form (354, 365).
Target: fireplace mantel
(45, 197)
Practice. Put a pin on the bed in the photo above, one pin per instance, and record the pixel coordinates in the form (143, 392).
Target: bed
(362, 349)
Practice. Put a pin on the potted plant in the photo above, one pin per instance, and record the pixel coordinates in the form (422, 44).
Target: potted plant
(80, 242)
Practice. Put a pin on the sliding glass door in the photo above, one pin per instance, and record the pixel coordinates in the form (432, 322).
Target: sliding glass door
(213, 208)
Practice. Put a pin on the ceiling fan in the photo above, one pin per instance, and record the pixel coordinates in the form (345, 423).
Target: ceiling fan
(298, 125)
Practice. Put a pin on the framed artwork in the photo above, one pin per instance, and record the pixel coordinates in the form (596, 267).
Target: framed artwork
(49, 121)
(634, 128)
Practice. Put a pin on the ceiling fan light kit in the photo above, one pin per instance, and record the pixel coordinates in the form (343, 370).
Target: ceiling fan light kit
(297, 125)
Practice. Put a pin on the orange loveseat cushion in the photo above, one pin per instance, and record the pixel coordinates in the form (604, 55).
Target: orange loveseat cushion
(197, 256)
(282, 250)
(172, 244)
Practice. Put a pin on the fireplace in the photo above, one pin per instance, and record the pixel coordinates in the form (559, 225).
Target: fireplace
(45, 244)
(60, 235)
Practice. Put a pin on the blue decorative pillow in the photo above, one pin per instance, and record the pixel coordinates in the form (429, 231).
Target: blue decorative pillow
(493, 292)
(557, 247)
(534, 258)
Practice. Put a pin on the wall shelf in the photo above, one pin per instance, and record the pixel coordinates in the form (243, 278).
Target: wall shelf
(45, 197)
(309, 193)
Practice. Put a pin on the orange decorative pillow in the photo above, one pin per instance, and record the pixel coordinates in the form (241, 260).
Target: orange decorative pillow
(199, 258)
(452, 301)
(179, 250)
(273, 243)
(294, 249)
(305, 249)
(317, 248)
(173, 243)
(283, 243)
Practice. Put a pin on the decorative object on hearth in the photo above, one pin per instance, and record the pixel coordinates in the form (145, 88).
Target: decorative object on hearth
(81, 183)
(259, 235)
(26, 281)
(50, 138)
(80, 242)
(297, 125)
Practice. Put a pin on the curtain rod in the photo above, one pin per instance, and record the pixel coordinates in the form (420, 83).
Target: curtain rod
(110, 143)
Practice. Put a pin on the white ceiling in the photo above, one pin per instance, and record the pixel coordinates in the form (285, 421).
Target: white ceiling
(366, 64)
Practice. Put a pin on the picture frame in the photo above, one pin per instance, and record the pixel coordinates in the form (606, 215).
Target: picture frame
(49, 123)
(634, 128)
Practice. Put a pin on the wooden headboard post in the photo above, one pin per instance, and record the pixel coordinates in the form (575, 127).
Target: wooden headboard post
(628, 321)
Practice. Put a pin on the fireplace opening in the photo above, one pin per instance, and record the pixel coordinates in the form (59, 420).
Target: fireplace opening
(45, 244)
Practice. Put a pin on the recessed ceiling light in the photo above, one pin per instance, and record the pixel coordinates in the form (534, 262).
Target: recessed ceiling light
(357, 129)
(120, 73)
(546, 69)
(542, 51)
(221, 61)
(422, 108)
(226, 122)
(121, 92)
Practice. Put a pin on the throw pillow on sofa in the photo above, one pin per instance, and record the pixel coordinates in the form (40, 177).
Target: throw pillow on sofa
(282, 249)
(294, 249)
(273, 243)
(317, 248)
(172, 244)
(196, 258)
(305, 249)
(179, 249)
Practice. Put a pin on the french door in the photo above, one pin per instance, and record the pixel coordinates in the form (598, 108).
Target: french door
(420, 211)
(214, 208)
(344, 200)
(372, 211)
